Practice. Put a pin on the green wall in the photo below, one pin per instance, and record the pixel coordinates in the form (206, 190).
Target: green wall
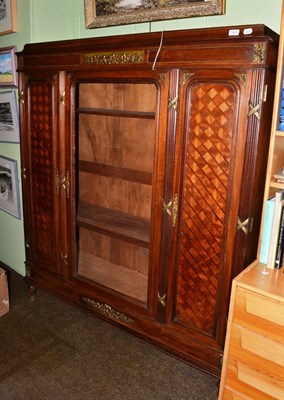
(46, 20)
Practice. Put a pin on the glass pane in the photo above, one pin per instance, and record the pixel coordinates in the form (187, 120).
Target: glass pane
(116, 145)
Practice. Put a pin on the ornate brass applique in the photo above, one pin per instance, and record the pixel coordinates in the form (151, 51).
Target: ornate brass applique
(172, 209)
(64, 258)
(253, 110)
(173, 103)
(107, 310)
(175, 210)
(61, 97)
(258, 53)
(162, 299)
(242, 78)
(21, 97)
(120, 57)
(163, 77)
(167, 208)
(62, 181)
(243, 225)
(24, 173)
(186, 77)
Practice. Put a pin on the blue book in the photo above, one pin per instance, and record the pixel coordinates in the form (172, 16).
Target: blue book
(266, 231)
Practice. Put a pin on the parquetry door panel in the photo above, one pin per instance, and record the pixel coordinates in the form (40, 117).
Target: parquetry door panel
(41, 170)
(211, 109)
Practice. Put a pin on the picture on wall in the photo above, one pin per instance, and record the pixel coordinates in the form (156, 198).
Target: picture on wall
(100, 13)
(8, 75)
(8, 16)
(9, 187)
(9, 117)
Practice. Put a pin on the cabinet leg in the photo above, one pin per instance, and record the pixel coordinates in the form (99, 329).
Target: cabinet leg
(33, 291)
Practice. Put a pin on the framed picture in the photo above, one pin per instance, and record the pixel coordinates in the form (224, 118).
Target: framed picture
(9, 187)
(8, 75)
(8, 16)
(99, 13)
(9, 117)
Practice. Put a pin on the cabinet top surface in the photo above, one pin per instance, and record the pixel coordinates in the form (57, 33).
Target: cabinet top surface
(263, 281)
(168, 38)
(239, 46)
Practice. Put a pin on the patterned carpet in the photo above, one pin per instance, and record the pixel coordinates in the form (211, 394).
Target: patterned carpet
(52, 351)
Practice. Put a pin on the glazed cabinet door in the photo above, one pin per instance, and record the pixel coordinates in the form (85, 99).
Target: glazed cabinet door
(39, 103)
(213, 140)
(118, 183)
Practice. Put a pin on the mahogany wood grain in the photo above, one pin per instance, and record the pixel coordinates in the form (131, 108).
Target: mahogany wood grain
(127, 164)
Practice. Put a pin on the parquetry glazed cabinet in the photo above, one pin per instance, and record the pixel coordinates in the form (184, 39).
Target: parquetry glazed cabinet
(143, 165)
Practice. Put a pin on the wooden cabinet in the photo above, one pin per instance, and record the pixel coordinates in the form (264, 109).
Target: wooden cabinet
(143, 176)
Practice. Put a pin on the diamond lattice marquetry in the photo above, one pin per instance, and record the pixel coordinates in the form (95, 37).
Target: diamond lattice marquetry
(208, 153)
(42, 172)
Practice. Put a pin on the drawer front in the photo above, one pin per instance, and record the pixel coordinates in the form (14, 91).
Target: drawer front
(260, 314)
(255, 364)
(230, 395)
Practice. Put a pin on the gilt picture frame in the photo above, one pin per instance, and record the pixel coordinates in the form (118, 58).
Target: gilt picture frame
(8, 16)
(8, 73)
(9, 117)
(9, 187)
(102, 13)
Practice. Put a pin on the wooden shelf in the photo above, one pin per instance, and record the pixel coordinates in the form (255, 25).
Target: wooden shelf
(279, 133)
(116, 172)
(116, 113)
(277, 185)
(120, 225)
(121, 279)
